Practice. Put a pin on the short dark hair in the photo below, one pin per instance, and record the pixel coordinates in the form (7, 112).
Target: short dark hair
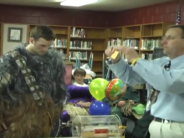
(80, 72)
(178, 26)
(42, 32)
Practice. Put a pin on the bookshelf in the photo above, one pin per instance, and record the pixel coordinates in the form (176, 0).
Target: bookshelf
(151, 35)
(71, 40)
(87, 40)
(142, 37)
(132, 32)
(131, 36)
(114, 36)
(115, 32)
(76, 41)
(151, 30)
(1, 39)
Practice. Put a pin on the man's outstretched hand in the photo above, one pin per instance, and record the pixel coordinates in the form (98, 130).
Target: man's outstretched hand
(129, 53)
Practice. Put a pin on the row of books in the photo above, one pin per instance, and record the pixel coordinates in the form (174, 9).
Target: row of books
(131, 43)
(60, 43)
(114, 42)
(78, 55)
(78, 44)
(78, 32)
(147, 56)
(148, 44)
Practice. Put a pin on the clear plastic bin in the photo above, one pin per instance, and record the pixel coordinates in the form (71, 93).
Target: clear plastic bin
(108, 126)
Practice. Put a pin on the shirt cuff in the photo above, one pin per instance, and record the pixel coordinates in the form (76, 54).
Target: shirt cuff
(141, 62)
(119, 63)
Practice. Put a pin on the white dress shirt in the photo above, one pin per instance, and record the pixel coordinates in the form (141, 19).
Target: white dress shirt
(170, 101)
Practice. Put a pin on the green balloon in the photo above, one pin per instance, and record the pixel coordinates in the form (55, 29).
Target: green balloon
(98, 87)
(139, 109)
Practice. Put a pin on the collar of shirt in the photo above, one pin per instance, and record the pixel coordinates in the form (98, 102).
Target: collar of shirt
(177, 61)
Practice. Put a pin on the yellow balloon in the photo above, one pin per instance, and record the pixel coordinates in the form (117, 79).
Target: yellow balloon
(98, 87)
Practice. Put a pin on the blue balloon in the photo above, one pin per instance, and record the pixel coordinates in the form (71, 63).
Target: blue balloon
(99, 108)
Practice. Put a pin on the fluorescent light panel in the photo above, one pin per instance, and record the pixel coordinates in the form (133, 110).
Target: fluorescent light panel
(77, 3)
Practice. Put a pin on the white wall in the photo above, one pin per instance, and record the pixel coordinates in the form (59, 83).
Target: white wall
(7, 46)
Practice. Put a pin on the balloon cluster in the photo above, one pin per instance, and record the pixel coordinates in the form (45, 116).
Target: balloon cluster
(100, 89)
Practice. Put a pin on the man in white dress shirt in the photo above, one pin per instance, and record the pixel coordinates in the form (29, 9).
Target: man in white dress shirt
(168, 110)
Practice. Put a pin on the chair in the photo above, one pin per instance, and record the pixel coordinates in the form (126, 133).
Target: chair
(158, 53)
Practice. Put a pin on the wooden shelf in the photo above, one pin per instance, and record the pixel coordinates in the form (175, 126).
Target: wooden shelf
(152, 30)
(98, 76)
(96, 36)
(132, 32)
(114, 32)
(87, 38)
(78, 49)
(144, 36)
(97, 67)
(1, 39)
(131, 38)
(91, 33)
(58, 30)
(100, 37)
(159, 36)
(98, 56)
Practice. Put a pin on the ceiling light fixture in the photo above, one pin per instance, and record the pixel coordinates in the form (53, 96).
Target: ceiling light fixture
(77, 3)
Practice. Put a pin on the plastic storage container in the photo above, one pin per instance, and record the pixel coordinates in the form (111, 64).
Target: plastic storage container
(97, 126)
